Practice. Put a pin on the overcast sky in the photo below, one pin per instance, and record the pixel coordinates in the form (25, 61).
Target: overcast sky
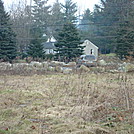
(82, 4)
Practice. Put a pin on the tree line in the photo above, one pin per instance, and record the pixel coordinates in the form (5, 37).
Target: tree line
(111, 27)
(23, 29)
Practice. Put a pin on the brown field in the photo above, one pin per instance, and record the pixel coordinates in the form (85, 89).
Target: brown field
(85, 103)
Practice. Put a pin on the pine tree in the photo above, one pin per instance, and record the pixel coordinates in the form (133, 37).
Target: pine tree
(40, 22)
(57, 19)
(115, 26)
(86, 26)
(125, 38)
(8, 49)
(69, 11)
(36, 49)
(40, 18)
(68, 43)
(106, 18)
(86, 21)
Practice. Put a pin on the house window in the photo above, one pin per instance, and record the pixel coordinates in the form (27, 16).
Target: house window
(91, 51)
(50, 51)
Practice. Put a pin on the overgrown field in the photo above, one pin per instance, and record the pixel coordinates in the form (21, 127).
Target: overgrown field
(85, 103)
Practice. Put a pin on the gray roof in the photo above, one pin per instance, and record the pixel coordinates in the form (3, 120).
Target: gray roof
(48, 45)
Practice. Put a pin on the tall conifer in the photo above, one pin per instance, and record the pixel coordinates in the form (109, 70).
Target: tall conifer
(40, 21)
(68, 43)
(8, 50)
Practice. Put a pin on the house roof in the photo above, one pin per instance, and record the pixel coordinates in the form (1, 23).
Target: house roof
(48, 45)
(89, 42)
(51, 39)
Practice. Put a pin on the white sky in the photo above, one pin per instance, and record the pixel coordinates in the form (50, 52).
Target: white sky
(82, 4)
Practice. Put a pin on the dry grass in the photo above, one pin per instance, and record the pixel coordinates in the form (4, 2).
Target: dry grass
(67, 104)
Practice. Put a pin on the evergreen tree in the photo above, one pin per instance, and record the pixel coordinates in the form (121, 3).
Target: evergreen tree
(36, 49)
(106, 18)
(40, 18)
(40, 21)
(69, 11)
(125, 43)
(86, 21)
(86, 25)
(68, 43)
(125, 38)
(8, 50)
(114, 26)
(57, 18)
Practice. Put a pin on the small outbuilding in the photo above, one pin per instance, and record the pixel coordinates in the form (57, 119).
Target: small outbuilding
(90, 49)
(49, 46)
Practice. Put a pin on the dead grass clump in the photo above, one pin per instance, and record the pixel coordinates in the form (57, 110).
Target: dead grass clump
(71, 103)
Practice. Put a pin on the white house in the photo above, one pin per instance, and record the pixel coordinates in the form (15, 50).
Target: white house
(49, 46)
(90, 48)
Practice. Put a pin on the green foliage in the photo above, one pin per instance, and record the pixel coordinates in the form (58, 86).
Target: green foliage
(49, 56)
(8, 50)
(4, 132)
(113, 27)
(68, 43)
(69, 10)
(57, 19)
(125, 38)
(86, 27)
(40, 21)
(106, 18)
(125, 44)
(85, 24)
(36, 49)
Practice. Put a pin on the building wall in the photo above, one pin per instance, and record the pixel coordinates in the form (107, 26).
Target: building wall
(49, 51)
(90, 49)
